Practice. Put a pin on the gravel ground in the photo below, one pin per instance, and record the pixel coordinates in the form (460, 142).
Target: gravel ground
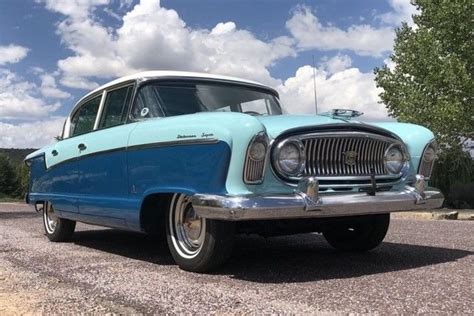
(423, 266)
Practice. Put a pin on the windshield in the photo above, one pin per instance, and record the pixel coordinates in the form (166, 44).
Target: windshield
(178, 98)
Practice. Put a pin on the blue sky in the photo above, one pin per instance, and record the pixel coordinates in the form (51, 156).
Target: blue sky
(54, 51)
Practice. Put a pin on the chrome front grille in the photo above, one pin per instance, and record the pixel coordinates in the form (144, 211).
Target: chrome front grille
(357, 154)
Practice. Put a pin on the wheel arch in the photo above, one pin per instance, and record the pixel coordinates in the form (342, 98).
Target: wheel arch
(153, 210)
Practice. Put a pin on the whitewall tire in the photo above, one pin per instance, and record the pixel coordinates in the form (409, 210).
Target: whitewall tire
(56, 229)
(196, 244)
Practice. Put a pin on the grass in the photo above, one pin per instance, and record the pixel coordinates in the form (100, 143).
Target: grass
(5, 198)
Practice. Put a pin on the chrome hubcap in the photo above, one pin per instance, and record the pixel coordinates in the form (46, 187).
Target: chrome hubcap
(50, 219)
(187, 228)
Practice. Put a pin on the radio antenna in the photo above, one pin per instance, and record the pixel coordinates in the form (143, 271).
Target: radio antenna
(315, 94)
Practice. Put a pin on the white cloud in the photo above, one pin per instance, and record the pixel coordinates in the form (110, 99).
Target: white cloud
(12, 54)
(125, 3)
(49, 88)
(78, 82)
(30, 134)
(363, 39)
(403, 11)
(349, 89)
(75, 8)
(19, 99)
(153, 37)
(336, 63)
(390, 64)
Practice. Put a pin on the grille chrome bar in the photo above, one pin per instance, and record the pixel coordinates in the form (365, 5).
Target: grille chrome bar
(344, 155)
(346, 159)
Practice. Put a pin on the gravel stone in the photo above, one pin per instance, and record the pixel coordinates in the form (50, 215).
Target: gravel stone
(423, 266)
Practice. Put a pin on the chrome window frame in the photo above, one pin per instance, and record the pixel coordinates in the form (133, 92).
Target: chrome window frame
(103, 94)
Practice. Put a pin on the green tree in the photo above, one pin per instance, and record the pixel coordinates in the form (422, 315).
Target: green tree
(432, 81)
(8, 177)
(22, 182)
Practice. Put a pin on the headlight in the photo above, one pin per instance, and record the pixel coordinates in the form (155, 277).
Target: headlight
(394, 159)
(289, 157)
(427, 159)
(257, 150)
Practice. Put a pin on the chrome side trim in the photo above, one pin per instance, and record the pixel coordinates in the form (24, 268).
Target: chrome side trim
(197, 141)
(200, 141)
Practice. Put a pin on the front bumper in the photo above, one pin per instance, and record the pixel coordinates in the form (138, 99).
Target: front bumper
(307, 203)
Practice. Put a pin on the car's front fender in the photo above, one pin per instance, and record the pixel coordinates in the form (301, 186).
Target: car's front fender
(234, 129)
(415, 137)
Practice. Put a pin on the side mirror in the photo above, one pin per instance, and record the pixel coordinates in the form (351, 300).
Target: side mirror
(58, 138)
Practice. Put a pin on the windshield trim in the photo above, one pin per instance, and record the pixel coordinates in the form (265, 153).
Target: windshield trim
(147, 81)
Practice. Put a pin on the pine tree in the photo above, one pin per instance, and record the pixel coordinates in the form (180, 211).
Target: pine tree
(8, 177)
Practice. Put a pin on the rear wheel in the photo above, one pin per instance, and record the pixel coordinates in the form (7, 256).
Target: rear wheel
(361, 234)
(196, 244)
(57, 229)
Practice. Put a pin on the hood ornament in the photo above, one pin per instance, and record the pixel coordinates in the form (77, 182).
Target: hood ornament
(343, 113)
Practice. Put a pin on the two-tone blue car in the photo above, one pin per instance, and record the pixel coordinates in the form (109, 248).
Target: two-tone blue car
(200, 158)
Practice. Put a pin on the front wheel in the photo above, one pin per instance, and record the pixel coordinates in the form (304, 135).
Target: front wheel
(359, 234)
(56, 229)
(196, 244)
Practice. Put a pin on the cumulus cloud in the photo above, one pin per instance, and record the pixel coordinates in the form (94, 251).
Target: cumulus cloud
(336, 63)
(363, 39)
(402, 11)
(49, 88)
(19, 98)
(30, 134)
(153, 37)
(347, 89)
(75, 8)
(11, 54)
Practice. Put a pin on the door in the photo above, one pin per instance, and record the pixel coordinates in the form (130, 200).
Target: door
(103, 180)
(64, 166)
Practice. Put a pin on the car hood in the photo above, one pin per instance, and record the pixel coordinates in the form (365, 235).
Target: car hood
(277, 124)
(415, 137)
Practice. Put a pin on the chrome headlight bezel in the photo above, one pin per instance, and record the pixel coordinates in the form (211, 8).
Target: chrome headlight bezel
(403, 160)
(425, 167)
(254, 167)
(300, 165)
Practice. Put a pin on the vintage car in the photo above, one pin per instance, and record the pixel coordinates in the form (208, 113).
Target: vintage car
(199, 158)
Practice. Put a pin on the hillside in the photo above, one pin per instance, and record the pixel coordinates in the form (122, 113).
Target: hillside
(16, 155)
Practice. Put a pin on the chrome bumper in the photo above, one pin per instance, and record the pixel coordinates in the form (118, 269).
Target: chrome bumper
(306, 203)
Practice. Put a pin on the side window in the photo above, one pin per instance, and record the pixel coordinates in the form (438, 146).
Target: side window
(115, 107)
(147, 104)
(84, 118)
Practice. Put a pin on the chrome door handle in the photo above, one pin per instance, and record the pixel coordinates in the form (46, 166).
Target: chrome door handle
(54, 152)
(82, 147)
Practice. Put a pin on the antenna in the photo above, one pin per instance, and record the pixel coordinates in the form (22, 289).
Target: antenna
(315, 95)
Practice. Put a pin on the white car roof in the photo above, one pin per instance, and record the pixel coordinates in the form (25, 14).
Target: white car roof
(170, 74)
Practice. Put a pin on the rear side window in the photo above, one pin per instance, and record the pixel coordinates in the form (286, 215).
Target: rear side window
(84, 118)
(116, 107)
